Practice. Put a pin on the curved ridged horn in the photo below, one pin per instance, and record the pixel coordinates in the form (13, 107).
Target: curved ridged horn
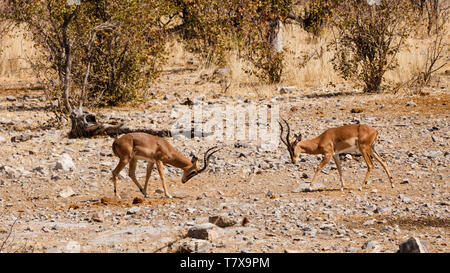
(206, 158)
(281, 134)
(288, 132)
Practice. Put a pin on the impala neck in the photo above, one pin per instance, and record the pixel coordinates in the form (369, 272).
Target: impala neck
(178, 160)
(309, 146)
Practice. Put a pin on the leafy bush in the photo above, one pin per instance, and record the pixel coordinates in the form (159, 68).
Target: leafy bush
(125, 56)
(368, 37)
(99, 52)
(213, 28)
(316, 14)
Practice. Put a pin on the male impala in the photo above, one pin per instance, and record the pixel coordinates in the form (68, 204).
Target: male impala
(141, 146)
(334, 141)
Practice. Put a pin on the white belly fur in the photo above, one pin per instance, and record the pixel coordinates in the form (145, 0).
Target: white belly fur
(350, 149)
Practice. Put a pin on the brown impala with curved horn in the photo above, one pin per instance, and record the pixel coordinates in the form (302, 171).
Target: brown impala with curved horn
(334, 141)
(141, 146)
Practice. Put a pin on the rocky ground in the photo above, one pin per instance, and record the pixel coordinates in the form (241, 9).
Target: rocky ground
(56, 194)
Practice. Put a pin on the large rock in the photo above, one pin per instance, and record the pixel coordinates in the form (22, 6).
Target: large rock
(205, 231)
(413, 245)
(222, 221)
(64, 162)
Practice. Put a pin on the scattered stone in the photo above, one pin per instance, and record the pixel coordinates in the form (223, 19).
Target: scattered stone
(369, 222)
(137, 200)
(222, 221)
(190, 245)
(133, 210)
(413, 245)
(55, 177)
(66, 192)
(356, 110)
(351, 249)
(9, 171)
(98, 217)
(305, 187)
(188, 102)
(291, 251)
(405, 199)
(286, 89)
(411, 103)
(381, 210)
(21, 138)
(64, 162)
(372, 246)
(205, 231)
(294, 109)
(11, 98)
(72, 247)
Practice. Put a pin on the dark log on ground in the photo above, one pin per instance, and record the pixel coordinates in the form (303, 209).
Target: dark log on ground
(85, 124)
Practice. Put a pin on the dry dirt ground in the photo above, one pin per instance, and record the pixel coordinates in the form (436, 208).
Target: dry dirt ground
(245, 181)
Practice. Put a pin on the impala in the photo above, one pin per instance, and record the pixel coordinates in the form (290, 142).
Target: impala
(334, 141)
(141, 146)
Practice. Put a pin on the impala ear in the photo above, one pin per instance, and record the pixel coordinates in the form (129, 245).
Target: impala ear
(194, 159)
(297, 139)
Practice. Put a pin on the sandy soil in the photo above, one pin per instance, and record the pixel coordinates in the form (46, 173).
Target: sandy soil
(244, 181)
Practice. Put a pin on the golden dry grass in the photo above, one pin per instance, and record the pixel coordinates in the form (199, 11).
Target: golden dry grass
(15, 49)
(307, 64)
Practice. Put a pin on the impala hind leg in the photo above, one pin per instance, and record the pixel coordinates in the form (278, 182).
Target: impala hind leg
(338, 165)
(115, 173)
(159, 166)
(132, 174)
(366, 155)
(383, 163)
(325, 160)
(147, 177)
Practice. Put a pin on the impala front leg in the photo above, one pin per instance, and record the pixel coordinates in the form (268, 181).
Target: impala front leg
(325, 160)
(159, 165)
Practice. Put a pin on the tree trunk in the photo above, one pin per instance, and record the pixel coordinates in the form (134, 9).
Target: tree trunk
(85, 124)
(276, 36)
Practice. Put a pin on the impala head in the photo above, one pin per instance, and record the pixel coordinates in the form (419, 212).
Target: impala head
(293, 153)
(194, 169)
